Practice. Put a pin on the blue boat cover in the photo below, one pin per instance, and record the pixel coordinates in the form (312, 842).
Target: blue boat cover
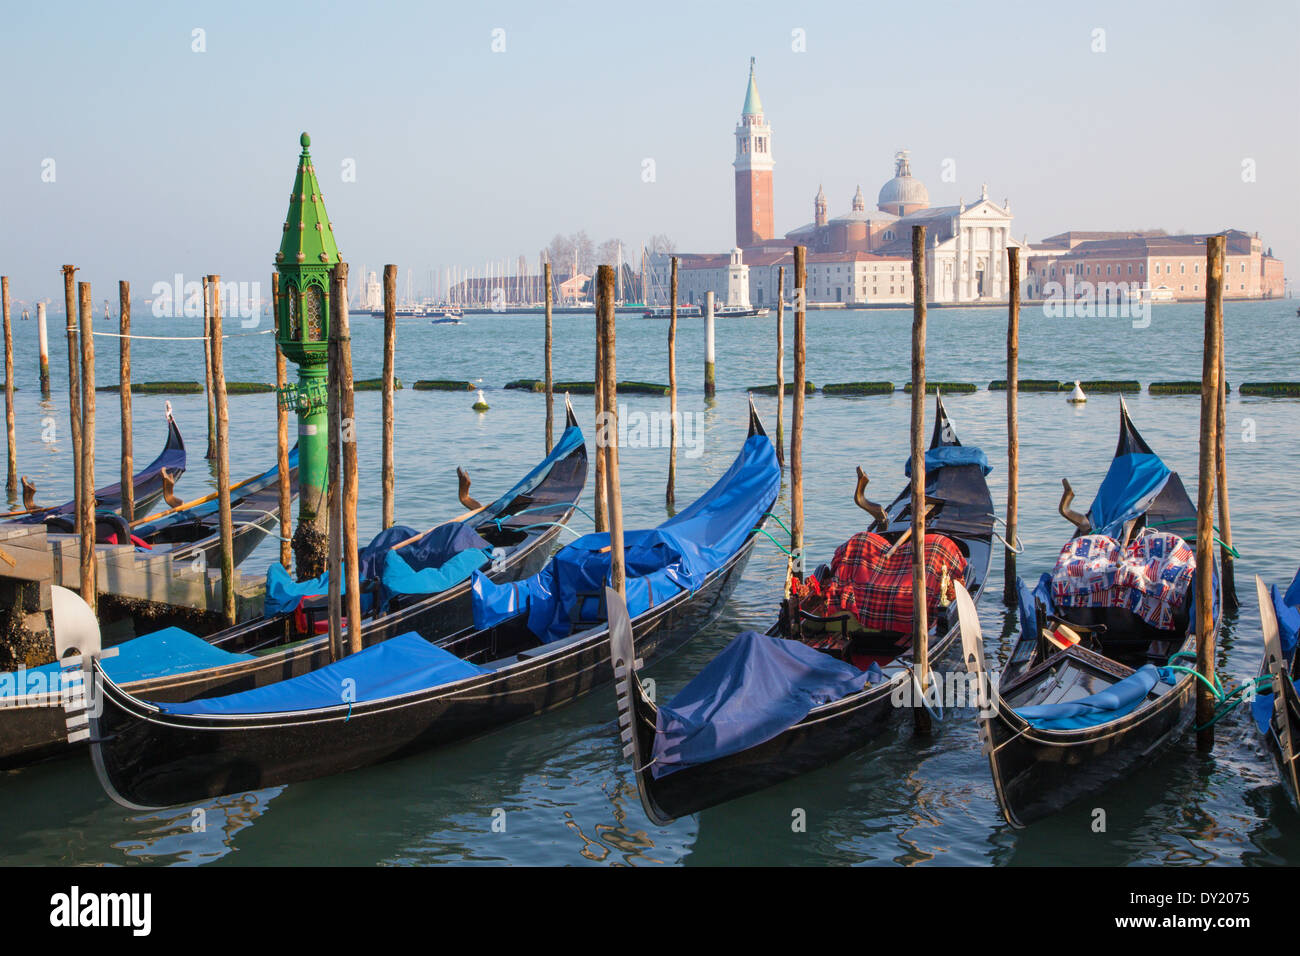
(400, 578)
(160, 654)
(1288, 627)
(1110, 704)
(948, 455)
(677, 556)
(390, 668)
(756, 688)
(1131, 484)
(1025, 598)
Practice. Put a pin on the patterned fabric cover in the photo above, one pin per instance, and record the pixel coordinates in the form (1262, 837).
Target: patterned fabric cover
(878, 590)
(1150, 578)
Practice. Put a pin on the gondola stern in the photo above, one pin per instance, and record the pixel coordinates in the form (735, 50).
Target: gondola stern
(1275, 665)
(944, 433)
(633, 705)
(570, 417)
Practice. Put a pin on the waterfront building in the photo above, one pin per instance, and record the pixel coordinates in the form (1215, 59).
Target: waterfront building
(1165, 268)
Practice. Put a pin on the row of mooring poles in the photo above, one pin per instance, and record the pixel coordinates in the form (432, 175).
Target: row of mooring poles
(219, 411)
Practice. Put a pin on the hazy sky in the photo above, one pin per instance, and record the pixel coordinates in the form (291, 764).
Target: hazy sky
(168, 160)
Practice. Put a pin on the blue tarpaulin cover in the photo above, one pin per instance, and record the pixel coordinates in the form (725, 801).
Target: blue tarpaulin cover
(756, 688)
(393, 667)
(283, 593)
(1025, 598)
(1288, 629)
(160, 654)
(1132, 482)
(676, 556)
(1110, 704)
(946, 455)
(401, 578)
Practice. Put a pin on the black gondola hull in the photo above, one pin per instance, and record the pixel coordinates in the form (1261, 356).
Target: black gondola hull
(155, 760)
(1287, 769)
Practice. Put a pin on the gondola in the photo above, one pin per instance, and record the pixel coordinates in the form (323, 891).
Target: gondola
(536, 645)
(190, 529)
(148, 484)
(518, 531)
(1277, 713)
(736, 728)
(1098, 681)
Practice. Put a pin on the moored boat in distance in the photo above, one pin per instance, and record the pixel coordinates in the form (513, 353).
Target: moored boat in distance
(738, 311)
(1094, 687)
(535, 646)
(664, 312)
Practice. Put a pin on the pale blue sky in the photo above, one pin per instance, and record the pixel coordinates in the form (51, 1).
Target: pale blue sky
(173, 161)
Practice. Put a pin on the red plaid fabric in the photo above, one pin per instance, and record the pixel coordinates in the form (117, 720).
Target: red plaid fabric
(878, 590)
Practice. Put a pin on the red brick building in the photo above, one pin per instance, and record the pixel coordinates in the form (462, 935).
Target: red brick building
(753, 164)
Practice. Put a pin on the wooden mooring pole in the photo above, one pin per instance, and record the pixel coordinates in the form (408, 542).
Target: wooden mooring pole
(11, 481)
(780, 366)
(920, 621)
(1211, 373)
(549, 371)
(1227, 562)
(74, 383)
(87, 506)
(796, 416)
(282, 441)
(341, 330)
(602, 500)
(710, 382)
(218, 375)
(670, 495)
(614, 491)
(1013, 426)
(43, 340)
(124, 398)
(211, 453)
(389, 515)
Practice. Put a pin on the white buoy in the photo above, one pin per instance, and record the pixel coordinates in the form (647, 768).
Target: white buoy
(1077, 397)
(481, 405)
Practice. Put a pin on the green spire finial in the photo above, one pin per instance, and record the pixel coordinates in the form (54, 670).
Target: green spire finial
(305, 140)
(753, 105)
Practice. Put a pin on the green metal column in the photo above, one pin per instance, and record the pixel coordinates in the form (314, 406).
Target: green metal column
(306, 258)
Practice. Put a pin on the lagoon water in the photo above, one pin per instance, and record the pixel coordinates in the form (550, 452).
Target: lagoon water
(558, 782)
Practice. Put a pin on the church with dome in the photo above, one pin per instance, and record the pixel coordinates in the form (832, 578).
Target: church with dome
(861, 257)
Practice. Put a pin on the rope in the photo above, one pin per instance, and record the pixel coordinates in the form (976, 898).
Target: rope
(1227, 701)
(174, 338)
(780, 522)
(780, 546)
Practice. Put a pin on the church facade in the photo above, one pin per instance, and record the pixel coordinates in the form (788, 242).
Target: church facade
(860, 258)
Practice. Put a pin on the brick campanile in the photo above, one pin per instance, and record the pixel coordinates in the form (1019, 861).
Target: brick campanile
(753, 170)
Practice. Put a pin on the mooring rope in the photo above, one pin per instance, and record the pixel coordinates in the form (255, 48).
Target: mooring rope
(1227, 701)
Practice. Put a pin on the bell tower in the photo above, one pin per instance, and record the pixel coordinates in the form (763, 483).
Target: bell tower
(753, 166)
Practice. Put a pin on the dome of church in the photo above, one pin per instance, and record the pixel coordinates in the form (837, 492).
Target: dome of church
(903, 189)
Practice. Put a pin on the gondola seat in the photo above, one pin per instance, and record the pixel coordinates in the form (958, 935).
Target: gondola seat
(1150, 577)
(872, 579)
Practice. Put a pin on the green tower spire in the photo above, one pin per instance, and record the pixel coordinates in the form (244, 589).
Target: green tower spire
(307, 256)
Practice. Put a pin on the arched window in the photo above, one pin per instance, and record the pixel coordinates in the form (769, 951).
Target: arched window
(314, 307)
(291, 313)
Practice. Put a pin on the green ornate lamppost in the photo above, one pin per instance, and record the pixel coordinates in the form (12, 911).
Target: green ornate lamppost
(305, 261)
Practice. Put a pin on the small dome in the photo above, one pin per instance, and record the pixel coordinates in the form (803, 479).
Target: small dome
(903, 189)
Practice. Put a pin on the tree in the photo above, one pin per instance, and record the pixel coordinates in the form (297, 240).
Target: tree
(662, 243)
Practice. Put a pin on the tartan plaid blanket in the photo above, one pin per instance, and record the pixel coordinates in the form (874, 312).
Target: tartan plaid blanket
(878, 590)
(1150, 577)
